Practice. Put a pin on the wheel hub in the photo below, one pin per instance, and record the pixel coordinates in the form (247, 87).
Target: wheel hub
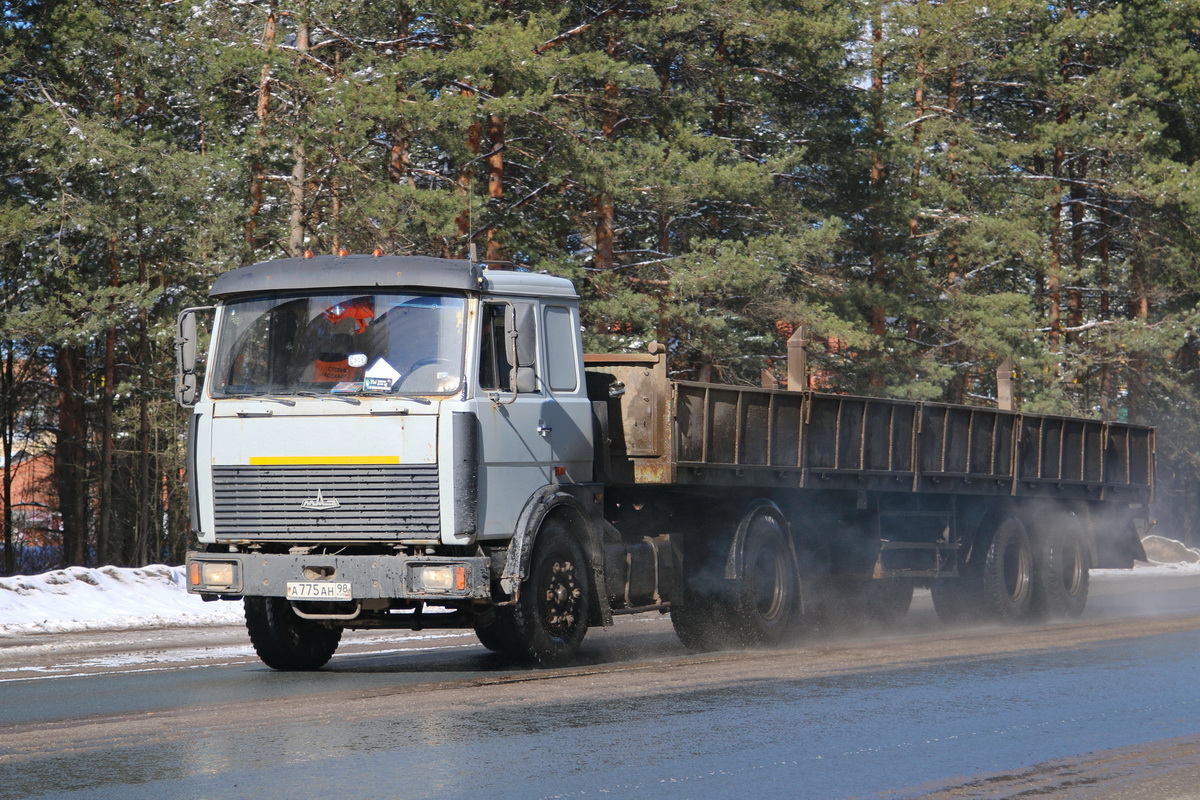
(561, 597)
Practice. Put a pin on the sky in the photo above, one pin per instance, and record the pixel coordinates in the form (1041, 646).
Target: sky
(113, 598)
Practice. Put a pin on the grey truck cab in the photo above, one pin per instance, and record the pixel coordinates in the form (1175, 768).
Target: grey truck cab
(368, 428)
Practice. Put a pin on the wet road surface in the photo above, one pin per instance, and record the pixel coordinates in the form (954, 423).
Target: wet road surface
(1107, 704)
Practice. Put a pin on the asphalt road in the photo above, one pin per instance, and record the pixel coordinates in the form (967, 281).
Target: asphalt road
(1105, 707)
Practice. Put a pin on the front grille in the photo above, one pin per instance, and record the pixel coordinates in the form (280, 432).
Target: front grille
(375, 502)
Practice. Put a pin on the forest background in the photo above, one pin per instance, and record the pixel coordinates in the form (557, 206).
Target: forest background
(928, 187)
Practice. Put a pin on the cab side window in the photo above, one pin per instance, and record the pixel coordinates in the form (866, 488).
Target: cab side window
(561, 366)
(494, 370)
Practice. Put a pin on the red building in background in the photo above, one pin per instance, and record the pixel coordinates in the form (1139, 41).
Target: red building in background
(35, 522)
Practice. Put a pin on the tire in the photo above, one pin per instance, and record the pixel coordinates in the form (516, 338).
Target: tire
(550, 617)
(499, 634)
(287, 642)
(835, 603)
(766, 598)
(1006, 577)
(699, 613)
(698, 625)
(956, 600)
(888, 600)
(1061, 566)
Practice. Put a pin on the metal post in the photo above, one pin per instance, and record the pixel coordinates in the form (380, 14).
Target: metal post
(1004, 385)
(797, 372)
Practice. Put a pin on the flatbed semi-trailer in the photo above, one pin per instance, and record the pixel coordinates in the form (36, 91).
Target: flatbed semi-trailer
(409, 442)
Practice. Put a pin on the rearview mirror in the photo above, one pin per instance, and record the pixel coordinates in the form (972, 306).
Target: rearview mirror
(187, 383)
(520, 347)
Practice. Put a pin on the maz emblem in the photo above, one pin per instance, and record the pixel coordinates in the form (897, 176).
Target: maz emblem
(319, 503)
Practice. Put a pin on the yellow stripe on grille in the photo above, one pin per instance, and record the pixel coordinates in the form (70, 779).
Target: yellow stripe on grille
(279, 461)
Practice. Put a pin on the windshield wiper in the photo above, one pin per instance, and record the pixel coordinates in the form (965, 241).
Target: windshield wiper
(260, 396)
(352, 401)
(369, 393)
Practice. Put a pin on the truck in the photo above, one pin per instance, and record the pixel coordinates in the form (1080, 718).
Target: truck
(405, 442)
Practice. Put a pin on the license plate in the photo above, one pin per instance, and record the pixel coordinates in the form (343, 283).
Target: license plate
(318, 590)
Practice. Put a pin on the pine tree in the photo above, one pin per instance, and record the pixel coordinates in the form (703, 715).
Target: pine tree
(102, 155)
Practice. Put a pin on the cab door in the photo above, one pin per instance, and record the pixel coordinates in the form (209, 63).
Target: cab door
(515, 459)
(538, 431)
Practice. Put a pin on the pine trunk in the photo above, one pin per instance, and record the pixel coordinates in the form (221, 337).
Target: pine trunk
(7, 435)
(298, 182)
(878, 259)
(1103, 271)
(495, 167)
(262, 110)
(1138, 310)
(70, 457)
(466, 217)
(106, 548)
(605, 209)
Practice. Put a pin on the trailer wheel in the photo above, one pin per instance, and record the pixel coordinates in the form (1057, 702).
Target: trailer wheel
(550, 616)
(1061, 569)
(956, 600)
(285, 641)
(767, 596)
(888, 599)
(1006, 577)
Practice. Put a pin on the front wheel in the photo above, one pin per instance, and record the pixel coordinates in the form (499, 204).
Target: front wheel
(499, 633)
(285, 641)
(549, 619)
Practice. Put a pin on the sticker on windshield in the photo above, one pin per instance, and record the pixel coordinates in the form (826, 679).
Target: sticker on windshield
(357, 360)
(381, 377)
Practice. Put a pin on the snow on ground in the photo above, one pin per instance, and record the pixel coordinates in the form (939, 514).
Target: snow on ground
(113, 598)
(107, 598)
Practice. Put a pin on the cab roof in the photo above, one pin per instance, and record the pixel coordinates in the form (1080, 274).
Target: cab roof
(383, 272)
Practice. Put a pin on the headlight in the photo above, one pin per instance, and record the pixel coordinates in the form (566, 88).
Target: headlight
(439, 578)
(213, 574)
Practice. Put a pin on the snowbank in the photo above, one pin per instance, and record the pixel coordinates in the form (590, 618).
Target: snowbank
(1161, 550)
(108, 598)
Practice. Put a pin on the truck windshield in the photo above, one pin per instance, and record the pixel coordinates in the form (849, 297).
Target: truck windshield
(340, 344)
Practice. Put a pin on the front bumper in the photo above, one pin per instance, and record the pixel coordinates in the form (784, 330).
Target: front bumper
(397, 577)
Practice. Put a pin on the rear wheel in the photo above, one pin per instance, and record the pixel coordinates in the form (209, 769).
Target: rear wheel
(1006, 578)
(699, 612)
(285, 641)
(888, 599)
(1061, 570)
(956, 600)
(766, 598)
